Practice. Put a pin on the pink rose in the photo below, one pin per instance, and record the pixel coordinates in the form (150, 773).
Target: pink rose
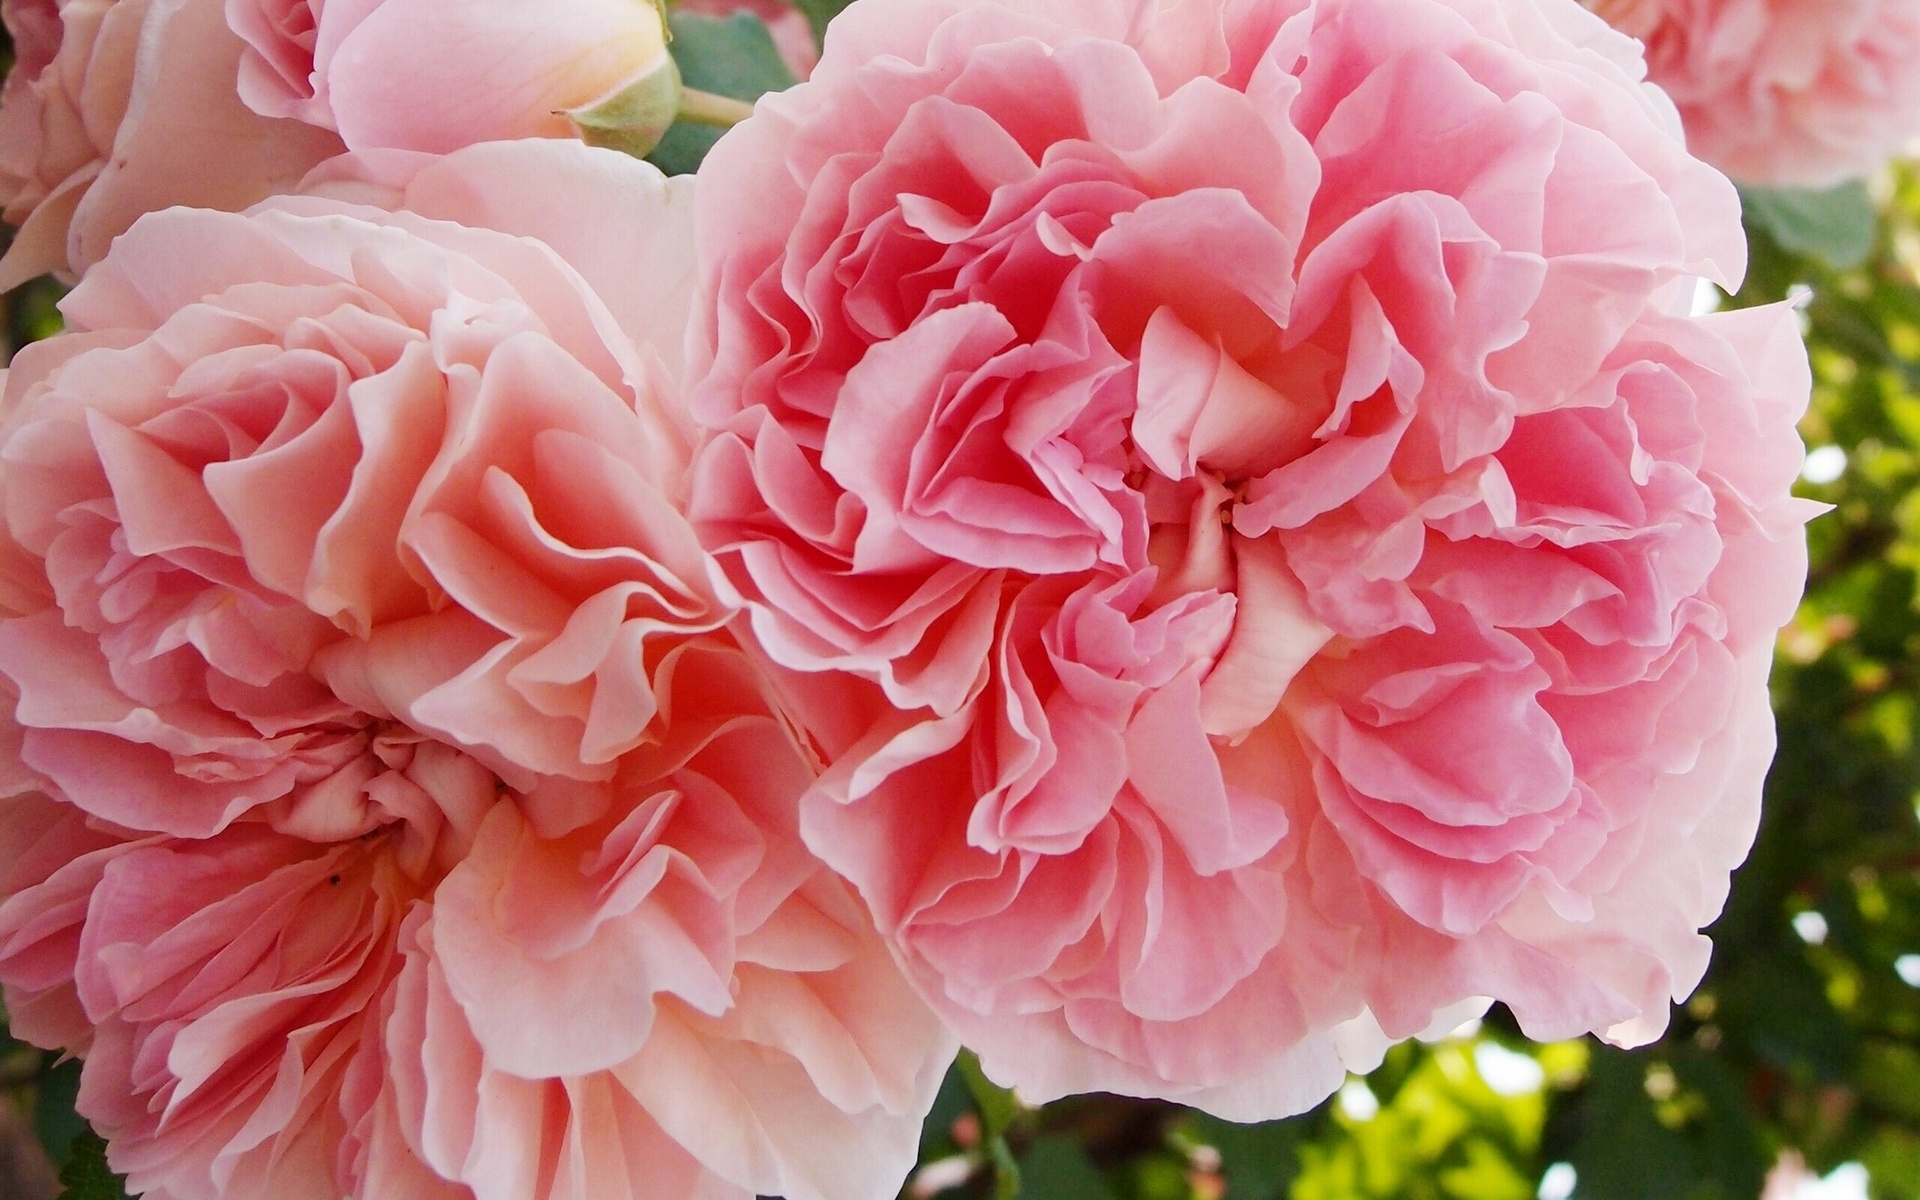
(433, 76)
(1785, 93)
(115, 109)
(400, 819)
(1241, 512)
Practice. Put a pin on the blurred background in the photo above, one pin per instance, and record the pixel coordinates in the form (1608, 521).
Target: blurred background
(1793, 1073)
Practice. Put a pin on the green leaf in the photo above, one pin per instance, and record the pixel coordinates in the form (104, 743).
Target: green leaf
(1161, 1176)
(86, 1175)
(1258, 1161)
(1892, 1160)
(1665, 1124)
(1836, 225)
(996, 1105)
(819, 12)
(1782, 1004)
(729, 56)
(936, 1133)
(1889, 1074)
(34, 311)
(1056, 1168)
(53, 1116)
(1486, 1175)
(1006, 1172)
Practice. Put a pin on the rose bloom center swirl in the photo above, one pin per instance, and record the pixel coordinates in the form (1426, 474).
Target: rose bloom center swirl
(1252, 523)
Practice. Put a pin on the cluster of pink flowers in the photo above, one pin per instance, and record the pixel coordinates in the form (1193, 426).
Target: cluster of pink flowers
(1170, 544)
(1785, 93)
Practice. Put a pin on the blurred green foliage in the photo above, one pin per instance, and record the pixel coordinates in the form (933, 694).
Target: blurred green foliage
(85, 1175)
(729, 56)
(1804, 1040)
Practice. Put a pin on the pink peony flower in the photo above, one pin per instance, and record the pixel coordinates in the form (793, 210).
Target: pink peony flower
(1785, 93)
(112, 110)
(1242, 512)
(397, 818)
(432, 76)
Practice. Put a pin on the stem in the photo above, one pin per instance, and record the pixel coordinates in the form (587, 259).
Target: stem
(705, 108)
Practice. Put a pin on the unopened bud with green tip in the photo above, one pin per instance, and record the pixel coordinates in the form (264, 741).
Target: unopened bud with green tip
(637, 115)
(634, 116)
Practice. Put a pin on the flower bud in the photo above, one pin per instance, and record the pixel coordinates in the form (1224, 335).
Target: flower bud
(428, 75)
(634, 117)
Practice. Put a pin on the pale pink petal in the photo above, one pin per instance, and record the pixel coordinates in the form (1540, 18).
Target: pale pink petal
(384, 91)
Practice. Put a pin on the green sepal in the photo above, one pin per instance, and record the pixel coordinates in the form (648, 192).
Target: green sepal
(635, 118)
